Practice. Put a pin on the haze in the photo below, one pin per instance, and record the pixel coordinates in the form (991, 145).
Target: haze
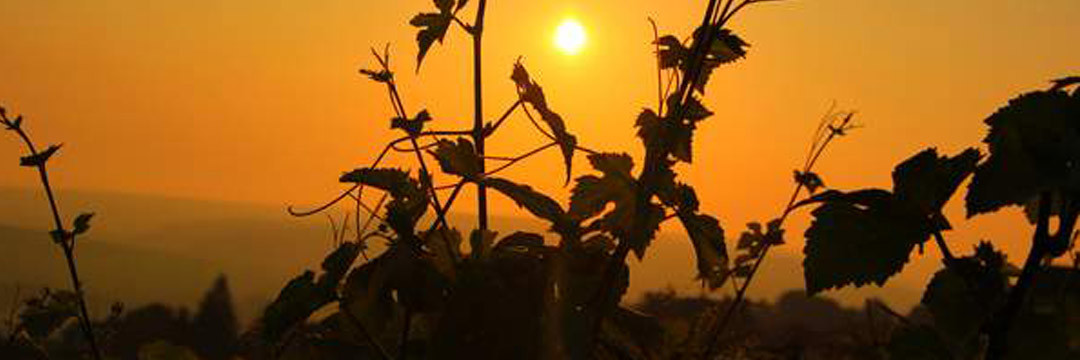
(260, 101)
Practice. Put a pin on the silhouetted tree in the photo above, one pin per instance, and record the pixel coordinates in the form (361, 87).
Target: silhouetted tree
(215, 329)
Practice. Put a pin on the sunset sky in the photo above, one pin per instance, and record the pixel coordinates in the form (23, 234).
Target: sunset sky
(260, 101)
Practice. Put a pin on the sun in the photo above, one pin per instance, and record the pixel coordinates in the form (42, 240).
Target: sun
(570, 37)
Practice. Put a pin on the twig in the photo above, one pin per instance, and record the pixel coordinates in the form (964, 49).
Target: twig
(65, 239)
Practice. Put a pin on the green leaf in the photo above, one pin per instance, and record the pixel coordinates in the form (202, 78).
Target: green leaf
(859, 239)
(433, 26)
(40, 158)
(538, 204)
(459, 158)
(82, 223)
(708, 239)
(1034, 144)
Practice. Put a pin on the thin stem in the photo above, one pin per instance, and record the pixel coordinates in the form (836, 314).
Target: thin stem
(659, 69)
(524, 156)
(1003, 321)
(714, 336)
(478, 108)
(503, 118)
(66, 242)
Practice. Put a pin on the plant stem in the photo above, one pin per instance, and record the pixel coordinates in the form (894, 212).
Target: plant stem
(1003, 321)
(478, 115)
(67, 243)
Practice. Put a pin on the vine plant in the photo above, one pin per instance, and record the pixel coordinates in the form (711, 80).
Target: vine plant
(978, 310)
(61, 235)
(512, 296)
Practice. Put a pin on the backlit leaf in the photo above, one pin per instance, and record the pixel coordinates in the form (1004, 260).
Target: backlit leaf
(459, 158)
(532, 93)
(82, 223)
(1034, 144)
(708, 239)
(538, 204)
(433, 26)
(40, 158)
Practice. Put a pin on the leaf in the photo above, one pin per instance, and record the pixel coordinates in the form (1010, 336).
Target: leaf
(459, 158)
(538, 204)
(708, 239)
(672, 52)
(41, 316)
(481, 241)
(366, 295)
(651, 130)
(857, 241)
(394, 181)
(382, 76)
(305, 294)
(927, 181)
(531, 93)
(433, 26)
(82, 223)
(40, 158)
(651, 218)
(727, 47)
(413, 126)
(444, 6)
(1034, 142)
(810, 180)
(591, 193)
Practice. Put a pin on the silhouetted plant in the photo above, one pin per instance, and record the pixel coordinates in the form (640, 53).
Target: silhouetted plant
(60, 234)
(866, 236)
(564, 296)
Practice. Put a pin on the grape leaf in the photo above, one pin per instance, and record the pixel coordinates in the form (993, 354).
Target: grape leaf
(412, 126)
(672, 52)
(538, 204)
(409, 199)
(591, 193)
(305, 294)
(927, 181)
(533, 94)
(433, 26)
(1034, 142)
(861, 239)
(82, 223)
(459, 158)
(40, 158)
(708, 239)
(810, 180)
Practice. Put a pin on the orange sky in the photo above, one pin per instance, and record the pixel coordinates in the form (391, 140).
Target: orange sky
(260, 100)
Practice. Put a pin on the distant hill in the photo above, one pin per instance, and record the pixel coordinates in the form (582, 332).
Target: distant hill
(145, 248)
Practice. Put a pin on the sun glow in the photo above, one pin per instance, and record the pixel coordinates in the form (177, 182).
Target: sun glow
(570, 37)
